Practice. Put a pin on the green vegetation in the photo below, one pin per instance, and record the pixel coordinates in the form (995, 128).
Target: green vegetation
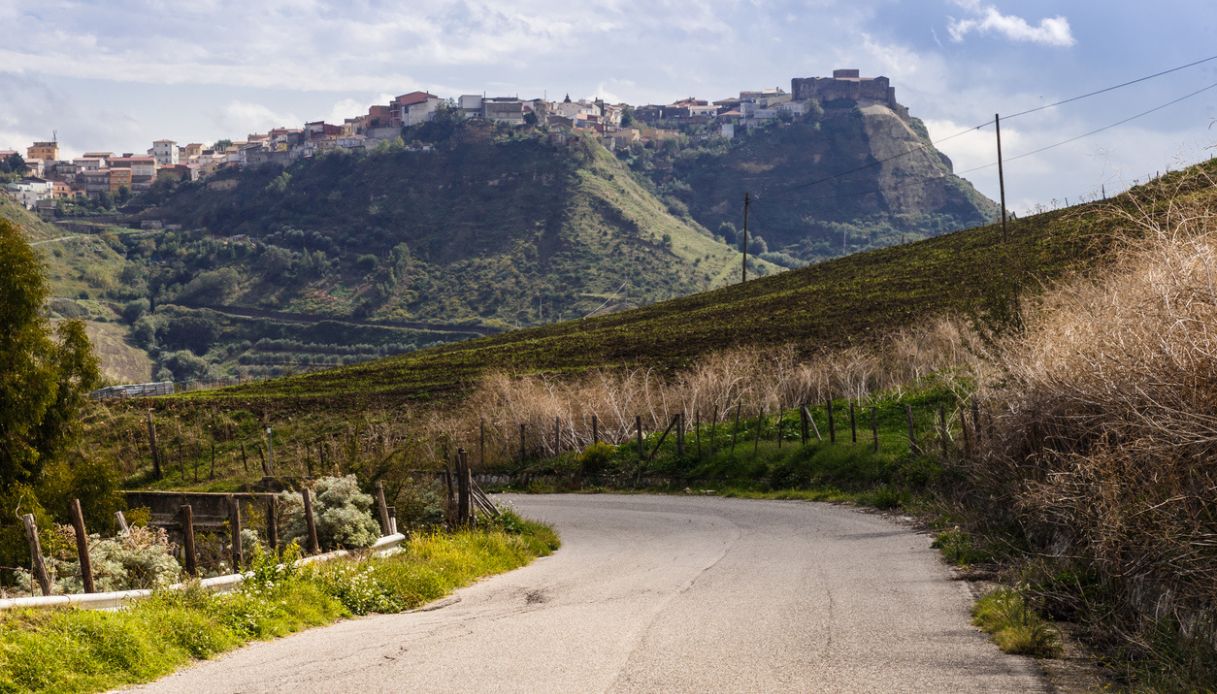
(852, 300)
(44, 379)
(1015, 627)
(766, 458)
(72, 650)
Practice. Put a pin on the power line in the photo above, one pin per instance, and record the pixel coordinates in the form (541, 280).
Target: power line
(1075, 138)
(923, 147)
(1112, 88)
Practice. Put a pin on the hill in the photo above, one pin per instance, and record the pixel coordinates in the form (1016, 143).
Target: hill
(850, 300)
(85, 276)
(482, 228)
(838, 180)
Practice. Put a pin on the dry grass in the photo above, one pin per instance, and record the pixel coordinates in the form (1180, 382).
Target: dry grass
(752, 379)
(1108, 431)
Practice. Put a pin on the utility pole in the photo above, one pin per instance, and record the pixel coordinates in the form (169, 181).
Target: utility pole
(1001, 177)
(744, 245)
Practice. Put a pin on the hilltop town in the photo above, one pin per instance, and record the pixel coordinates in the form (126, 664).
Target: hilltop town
(42, 181)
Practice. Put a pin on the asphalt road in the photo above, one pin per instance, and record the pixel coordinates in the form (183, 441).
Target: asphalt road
(665, 594)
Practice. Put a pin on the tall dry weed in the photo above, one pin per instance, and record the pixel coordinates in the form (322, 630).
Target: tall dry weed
(752, 379)
(1107, 438)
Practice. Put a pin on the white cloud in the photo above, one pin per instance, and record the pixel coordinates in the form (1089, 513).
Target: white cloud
(1051, 31)
(348, 108)
(241, 118)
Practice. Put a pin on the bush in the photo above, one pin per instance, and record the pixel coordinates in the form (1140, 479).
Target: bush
(185, 366)
(135, 309)
(137, 559)
(342, 512)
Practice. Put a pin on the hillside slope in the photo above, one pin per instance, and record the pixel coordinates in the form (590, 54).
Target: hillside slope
(84, 273)
(480, 228)
(845, 301)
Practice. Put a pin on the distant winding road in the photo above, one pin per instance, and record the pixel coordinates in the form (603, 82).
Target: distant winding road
(665, 594)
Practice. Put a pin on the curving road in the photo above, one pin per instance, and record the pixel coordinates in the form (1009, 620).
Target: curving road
(665, 594)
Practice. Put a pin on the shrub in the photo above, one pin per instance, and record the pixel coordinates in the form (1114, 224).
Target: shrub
(137, 559)
(1015, 627)
(342, 513)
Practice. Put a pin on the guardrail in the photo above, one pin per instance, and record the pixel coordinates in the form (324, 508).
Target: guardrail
(216, 584)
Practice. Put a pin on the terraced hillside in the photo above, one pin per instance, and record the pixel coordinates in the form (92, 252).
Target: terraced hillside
(848, 300)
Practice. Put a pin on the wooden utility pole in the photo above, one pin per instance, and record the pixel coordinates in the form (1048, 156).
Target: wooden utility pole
(744, 243)
(1001, 177)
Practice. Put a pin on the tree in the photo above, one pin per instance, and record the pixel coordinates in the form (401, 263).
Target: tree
(13, 164)
(44, 382)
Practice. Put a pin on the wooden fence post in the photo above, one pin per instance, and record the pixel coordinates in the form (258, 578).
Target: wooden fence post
(908, 413)
(595, 430)
(36, 561)
(270, 453)
(482, 443)
(778, 433)
(874, 426)
(82, 547)
(638, 433)
(680, 434)
(234, 529)
(272, 523)
(122, 522)
(697, 431)
(804, 434)
(853, 424)
(942, 430)
(463, 510)
(191, 558)
(832, 425)
(735, 430)
(756, 440)
(557, 436)
(310, 522)
(469, 495)
(156, 454)
(523, 451)
(382, 507)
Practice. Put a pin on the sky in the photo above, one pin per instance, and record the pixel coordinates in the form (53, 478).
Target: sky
(118, 74)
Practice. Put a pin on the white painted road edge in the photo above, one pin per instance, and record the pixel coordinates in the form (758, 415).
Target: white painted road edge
(216, 584)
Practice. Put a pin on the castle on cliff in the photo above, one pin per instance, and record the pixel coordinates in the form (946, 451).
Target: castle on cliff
(847, 85)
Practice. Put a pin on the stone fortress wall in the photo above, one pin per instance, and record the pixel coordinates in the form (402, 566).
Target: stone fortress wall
(848, 85)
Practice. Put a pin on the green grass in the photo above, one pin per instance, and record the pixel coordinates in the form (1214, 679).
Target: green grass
(1014, 626)
(757, 466)
(73, 650)
(847, 301)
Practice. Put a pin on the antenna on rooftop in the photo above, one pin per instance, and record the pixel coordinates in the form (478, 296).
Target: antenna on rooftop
(54, 136)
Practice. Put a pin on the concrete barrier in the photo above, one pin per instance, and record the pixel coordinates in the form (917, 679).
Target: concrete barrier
(385, 546)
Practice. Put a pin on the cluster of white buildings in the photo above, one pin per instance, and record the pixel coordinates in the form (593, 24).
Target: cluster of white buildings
(49, 178)
(104, 172)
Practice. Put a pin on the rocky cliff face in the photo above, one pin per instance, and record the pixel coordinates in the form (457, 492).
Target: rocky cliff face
(840, 180)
